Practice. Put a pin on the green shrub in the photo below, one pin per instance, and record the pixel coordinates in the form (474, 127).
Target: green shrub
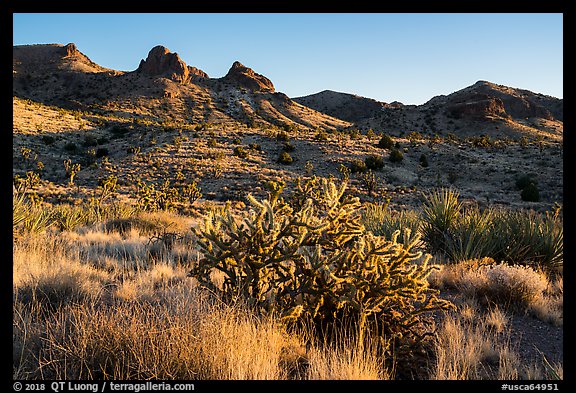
(89, 141)
(283, 136)
(48, 140)
(523, 181)
(386, 142)
(530, 193)
(321, 136)
(374, 162)
(101, 152)
(70, 146)
(311, 259)
(396, 155)
(240, 152)
(357, 166)
(370, 134)
(287, 146)
(285, 158)
(423, 161)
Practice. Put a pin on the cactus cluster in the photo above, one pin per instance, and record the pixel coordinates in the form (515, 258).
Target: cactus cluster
(309, 258)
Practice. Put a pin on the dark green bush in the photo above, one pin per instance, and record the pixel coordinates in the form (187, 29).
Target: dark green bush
(285, 158)
(287, 146)
(523, 181)
(101, 152)
(374, 162)
(357, 166)
(386, 142)
(89, 141)
(70, 146)
(283, 136)
(396, 155)
(48, 140)
(530, 193)
(240, 152)
(424, 161)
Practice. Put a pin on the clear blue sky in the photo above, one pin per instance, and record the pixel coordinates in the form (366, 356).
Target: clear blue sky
(390, 57)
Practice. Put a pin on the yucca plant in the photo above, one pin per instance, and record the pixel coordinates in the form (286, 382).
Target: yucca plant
(527, 237)
(38, 220)
(20, 207)
(68, 218)
(440, 212)
(470, 236)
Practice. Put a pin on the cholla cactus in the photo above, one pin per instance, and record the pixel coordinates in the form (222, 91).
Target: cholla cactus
(311, 258)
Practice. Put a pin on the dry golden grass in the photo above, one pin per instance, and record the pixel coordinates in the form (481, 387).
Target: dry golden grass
(473, 345)
(110, 318)
(92, 304)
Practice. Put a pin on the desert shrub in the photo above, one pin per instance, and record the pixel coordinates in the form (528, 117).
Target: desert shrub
(369, 181)
(236, 141)
(357, 166)
(374, 162)
(212, 142)
(287, 146)
(101, 152)
(311, 259)
(321, 136)
(283, 136)
(70, 146)
(89, 141)
(386, 142)
(133, 150)
(355, 134)
(396, 155)
(423, 161)
(255, 146)
(119, 131)
(240, 152)
(48, 140)
(525, 180)
(68, 218)
(530, 193)
(285, 158)
(513, 286)
(370, 134)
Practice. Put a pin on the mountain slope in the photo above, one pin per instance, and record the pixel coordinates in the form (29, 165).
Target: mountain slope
(162, 86)
(483, 108)
(348, 107)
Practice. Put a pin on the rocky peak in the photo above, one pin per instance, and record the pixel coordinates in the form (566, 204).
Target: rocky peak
(193, 71)
(70, 50)
(246, 77)
(161, 62)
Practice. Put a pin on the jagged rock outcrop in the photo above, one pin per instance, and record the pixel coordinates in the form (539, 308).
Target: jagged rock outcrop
(70, 50)
(161, 62)
(477, 106)
(197, 72)
(247, 78)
